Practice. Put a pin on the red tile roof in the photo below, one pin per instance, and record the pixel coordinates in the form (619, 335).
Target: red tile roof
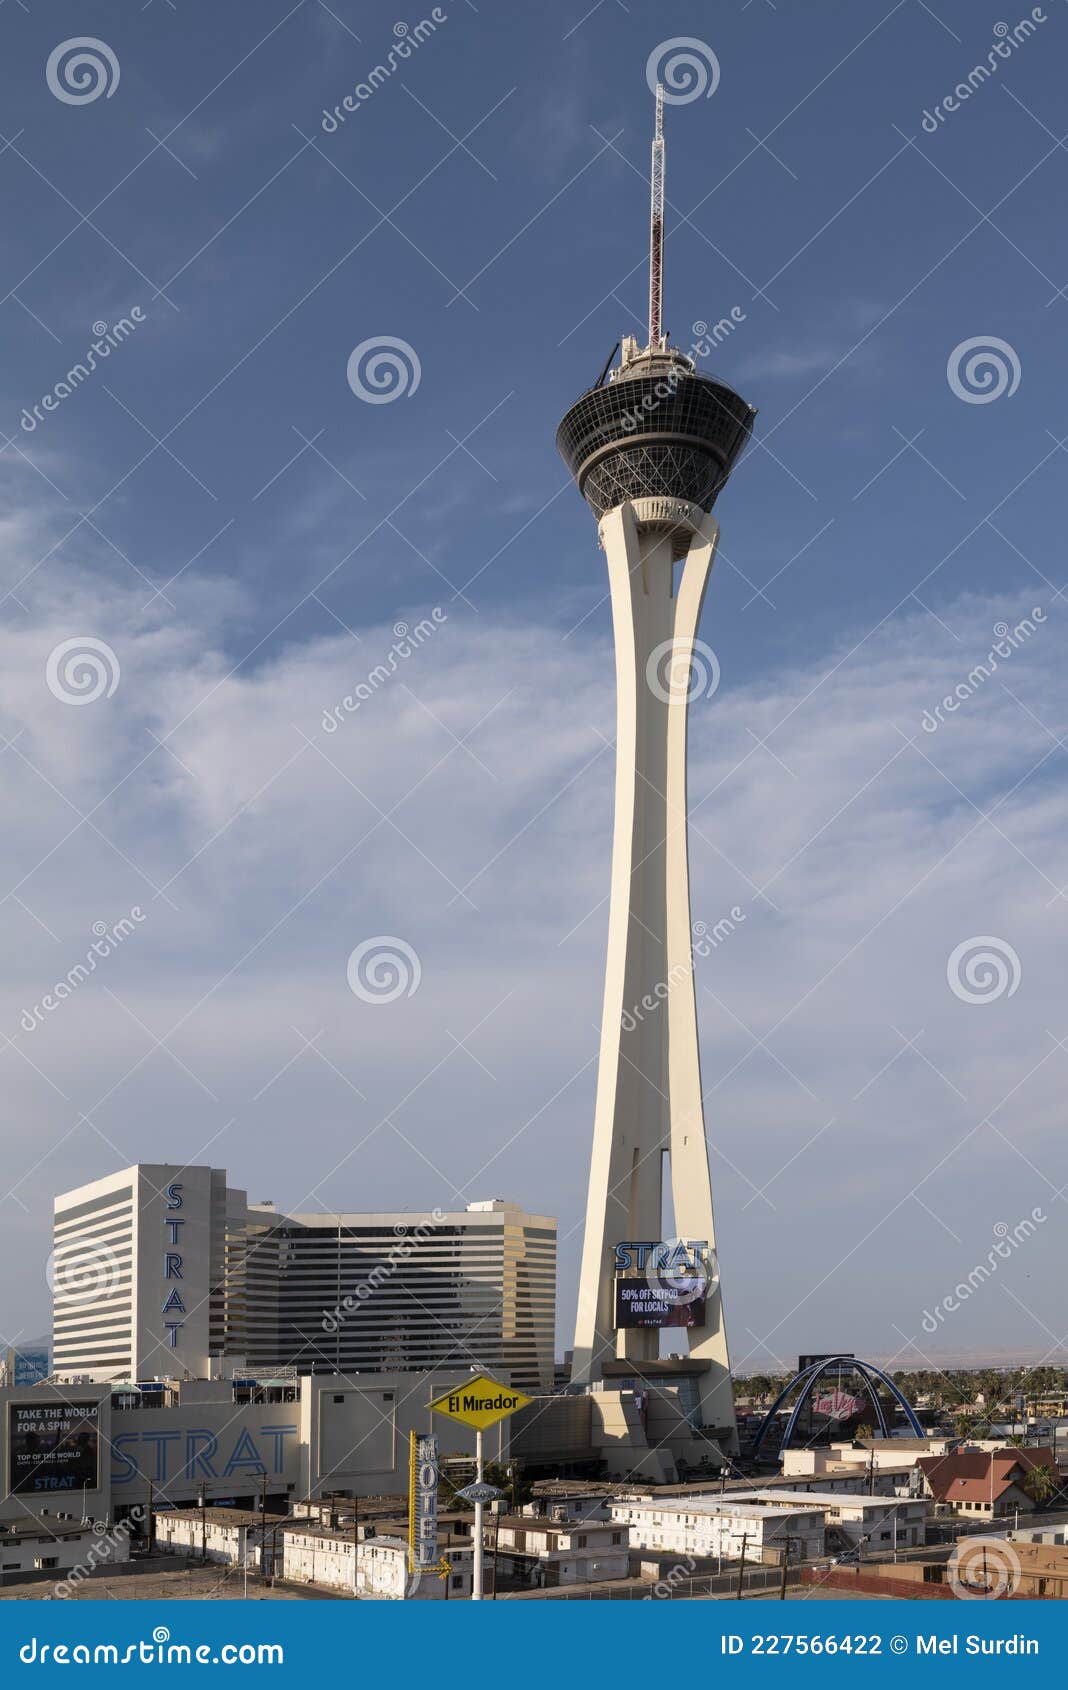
(978, 1475)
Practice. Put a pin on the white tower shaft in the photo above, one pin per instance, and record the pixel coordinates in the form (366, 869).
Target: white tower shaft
(649, 1099)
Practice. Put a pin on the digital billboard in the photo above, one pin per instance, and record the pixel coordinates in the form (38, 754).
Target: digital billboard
(676, 1302)
(804, 1362)
(53, 1446)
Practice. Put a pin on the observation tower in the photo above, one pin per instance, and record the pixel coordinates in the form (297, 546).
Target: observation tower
(651, 446)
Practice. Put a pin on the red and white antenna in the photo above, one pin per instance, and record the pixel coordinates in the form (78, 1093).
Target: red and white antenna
(656, 227)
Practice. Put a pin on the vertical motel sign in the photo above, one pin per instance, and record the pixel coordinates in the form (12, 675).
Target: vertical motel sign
(422, 1503)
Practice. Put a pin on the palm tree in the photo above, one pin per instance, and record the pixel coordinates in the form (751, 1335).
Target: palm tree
(1040, 1484)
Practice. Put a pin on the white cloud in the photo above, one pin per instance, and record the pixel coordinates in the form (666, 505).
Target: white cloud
(282, 846)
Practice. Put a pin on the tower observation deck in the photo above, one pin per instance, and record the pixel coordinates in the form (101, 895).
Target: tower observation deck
(655, 429)
(651, 448)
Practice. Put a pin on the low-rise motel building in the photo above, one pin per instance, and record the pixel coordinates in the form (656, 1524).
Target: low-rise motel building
(723, 1528)
(231, 1537)
(870, 1523)
(548, 1553)
(376, 1566)
(48, 1545)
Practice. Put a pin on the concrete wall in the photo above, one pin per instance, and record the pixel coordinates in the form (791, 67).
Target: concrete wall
(87, 1550)
(381, 1571)
(223, 1543)
(339, 1435)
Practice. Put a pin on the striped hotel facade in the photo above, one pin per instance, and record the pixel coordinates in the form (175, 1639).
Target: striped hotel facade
(162, 1270)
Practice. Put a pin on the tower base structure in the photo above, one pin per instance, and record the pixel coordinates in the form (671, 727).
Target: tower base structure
(634, 1281)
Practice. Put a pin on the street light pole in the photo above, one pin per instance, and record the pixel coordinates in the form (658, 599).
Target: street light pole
(476, 1580)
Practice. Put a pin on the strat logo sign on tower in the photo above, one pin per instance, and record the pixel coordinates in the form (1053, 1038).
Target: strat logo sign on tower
(174, 1304)
(663, 1282)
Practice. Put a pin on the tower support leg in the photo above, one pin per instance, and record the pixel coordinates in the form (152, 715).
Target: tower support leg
(649, 1079)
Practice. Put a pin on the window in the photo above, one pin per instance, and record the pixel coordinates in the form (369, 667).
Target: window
(582, 1541)
(457, 1581)
(339, 1399)
(617, 1537)
(47, 1561)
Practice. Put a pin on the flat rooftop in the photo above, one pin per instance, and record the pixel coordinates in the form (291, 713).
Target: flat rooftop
(827, 1498)
(738, 1507)
(49, 1527)
(219, 1516)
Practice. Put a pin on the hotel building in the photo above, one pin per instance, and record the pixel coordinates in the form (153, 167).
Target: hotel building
(167, 1270)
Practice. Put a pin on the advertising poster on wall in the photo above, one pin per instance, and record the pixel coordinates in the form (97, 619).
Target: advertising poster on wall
(53, 1446)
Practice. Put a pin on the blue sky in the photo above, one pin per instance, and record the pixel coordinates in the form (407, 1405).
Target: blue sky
(219, 507)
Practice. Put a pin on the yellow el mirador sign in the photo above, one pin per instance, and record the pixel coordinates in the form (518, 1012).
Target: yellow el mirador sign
(480, 1402)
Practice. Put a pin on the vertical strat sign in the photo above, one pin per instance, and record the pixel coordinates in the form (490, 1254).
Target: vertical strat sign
(174, 1303)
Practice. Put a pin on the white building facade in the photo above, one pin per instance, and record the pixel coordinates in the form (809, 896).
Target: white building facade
(727, 1529)
(376, 1568)
(138, 1273)
(866, 1522)
(162, 1270)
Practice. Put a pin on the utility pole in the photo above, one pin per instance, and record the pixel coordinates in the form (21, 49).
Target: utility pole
(741, 1567)
(151, 1517)
(356, 1542)
(785, 1564)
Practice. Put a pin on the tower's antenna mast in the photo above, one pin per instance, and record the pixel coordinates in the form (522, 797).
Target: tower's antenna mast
(656, 226)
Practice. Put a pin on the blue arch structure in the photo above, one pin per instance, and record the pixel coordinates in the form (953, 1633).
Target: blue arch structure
(807, 1378)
